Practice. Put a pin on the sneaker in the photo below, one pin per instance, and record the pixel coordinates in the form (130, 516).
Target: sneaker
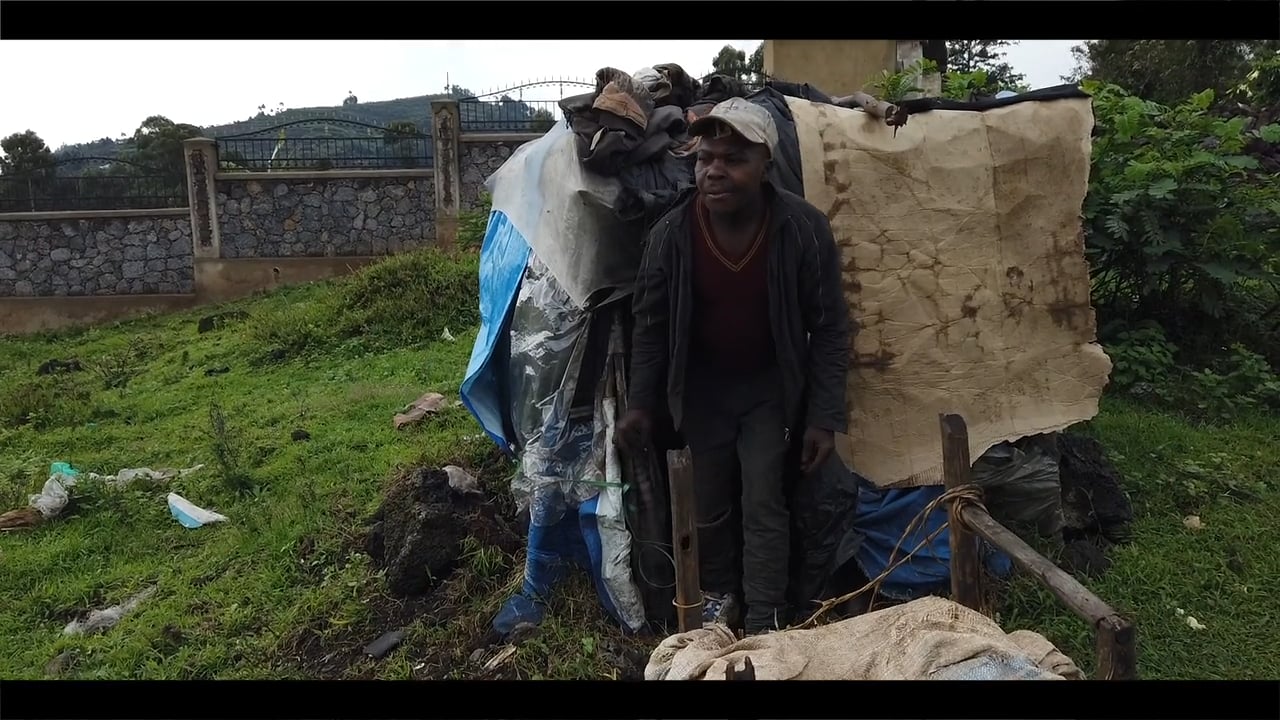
(719, 609)
(770, 621)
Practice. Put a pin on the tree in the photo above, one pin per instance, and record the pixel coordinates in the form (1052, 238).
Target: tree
(1168, 71)
(972, 56)
(399, 136)
(25, 153)
(731, 62)
(157, 145)
(755, 64)
(542, 121)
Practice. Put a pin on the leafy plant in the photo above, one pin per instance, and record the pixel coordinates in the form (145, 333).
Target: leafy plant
(896, 87)
(1175, 218)
(1141, 357)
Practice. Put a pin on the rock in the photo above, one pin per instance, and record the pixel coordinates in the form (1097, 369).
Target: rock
(462, 481)
(59, 664)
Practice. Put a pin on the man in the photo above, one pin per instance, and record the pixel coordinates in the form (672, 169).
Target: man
(740, 317)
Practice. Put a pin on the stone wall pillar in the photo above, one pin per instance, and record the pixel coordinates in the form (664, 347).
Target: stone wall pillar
(202, 196)
(445, 120)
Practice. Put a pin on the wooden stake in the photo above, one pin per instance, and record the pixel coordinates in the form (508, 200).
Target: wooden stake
(684, 539)
(966, 566)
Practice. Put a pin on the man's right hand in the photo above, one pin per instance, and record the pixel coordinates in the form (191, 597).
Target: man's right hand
(634, 431)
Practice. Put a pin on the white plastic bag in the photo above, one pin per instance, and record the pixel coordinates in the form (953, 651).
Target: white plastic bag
(191, 515)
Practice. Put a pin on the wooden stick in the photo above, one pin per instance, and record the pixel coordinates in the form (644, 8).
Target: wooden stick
(966, 568)
(1075, 596)
(684, 538)
(1116, 637)
(890, 113)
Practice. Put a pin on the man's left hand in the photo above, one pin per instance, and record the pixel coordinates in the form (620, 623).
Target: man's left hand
(818, 445)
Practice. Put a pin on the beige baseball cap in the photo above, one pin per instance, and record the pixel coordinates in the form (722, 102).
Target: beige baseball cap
(743, 117)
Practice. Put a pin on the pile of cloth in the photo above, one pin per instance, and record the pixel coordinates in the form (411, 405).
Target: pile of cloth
(635, 127)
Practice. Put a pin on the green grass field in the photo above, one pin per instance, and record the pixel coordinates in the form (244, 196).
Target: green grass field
(284, 589)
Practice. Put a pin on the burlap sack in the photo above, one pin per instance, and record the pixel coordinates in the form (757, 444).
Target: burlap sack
(927, 639)
(964, 264)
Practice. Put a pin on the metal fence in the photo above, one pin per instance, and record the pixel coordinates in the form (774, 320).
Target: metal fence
(509, 110)
(92, 183)
(326, 144)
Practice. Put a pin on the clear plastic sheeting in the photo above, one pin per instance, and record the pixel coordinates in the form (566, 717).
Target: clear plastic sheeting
(570, 479)
(548, 342)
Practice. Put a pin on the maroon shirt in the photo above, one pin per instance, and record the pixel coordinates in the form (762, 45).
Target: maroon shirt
(730, 332)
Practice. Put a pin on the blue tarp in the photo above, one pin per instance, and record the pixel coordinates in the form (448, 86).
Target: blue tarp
(503, 257)
(882, 517)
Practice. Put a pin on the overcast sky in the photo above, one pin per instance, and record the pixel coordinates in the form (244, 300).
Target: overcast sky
(79, 91)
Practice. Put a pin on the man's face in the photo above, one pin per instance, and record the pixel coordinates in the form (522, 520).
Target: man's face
(729, 172)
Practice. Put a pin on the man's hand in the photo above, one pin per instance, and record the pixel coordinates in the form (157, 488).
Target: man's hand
(634, 431)
(818, 445)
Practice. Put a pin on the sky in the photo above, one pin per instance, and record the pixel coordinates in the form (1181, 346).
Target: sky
(133, 80)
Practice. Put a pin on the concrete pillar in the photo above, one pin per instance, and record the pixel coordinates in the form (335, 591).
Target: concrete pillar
(911, 52)
(445, 120)
(202, 196)
(836, 67)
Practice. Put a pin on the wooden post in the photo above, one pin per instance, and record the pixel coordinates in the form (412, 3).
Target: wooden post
(1117, 650)
(966, 565)
(684, 539)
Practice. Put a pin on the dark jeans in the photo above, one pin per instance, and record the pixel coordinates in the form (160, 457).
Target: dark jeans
(731, 425)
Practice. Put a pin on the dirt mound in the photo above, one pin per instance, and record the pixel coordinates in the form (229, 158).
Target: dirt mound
(417, 533)
(1093, 502)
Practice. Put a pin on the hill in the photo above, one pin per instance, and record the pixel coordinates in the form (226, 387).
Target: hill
(361, 120)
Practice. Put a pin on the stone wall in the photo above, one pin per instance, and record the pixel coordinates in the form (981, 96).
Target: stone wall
(477, 160)
(103, 255)
(315, 216)
(255, 231)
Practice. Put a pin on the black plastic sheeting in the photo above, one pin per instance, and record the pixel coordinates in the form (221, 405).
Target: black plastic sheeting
(1057, 92)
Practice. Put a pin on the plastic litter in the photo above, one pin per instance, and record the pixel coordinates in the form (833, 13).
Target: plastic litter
(55, 494)
(100, 620)
(191, 515)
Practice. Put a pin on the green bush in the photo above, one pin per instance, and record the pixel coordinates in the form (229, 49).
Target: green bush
(1179, 224)
(294, 329)
(1144, 367)
(410, 299)
(473, 224)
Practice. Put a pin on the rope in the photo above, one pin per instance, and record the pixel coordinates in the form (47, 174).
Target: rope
(962, 495)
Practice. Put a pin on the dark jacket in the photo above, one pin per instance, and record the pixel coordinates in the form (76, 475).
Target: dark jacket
(807, 311)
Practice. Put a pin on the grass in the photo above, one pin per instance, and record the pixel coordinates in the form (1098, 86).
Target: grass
(285, 582)
(284, 588)
(1225, 575)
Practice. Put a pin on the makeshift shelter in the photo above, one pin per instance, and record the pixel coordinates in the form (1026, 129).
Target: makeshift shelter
(964, 268)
